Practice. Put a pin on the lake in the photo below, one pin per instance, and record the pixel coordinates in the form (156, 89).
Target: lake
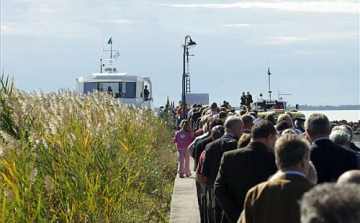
(333, 115)
(337, 115)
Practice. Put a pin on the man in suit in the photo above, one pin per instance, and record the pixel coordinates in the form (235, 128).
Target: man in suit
(329, 159)
(350, 131)
(234, 128)
(243, 100)
(249, 99)
(243, 168)
(276, 201)
(201, 144)
(199, 148)
(216, 132)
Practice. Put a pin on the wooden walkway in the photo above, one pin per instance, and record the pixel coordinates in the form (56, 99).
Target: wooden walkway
(184, 205)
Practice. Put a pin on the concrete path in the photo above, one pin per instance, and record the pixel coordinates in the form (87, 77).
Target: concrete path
(184, 205)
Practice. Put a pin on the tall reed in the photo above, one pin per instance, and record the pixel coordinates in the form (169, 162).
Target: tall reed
(66, 157)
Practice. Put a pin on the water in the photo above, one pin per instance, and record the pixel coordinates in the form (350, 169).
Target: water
(356, 140)
(337, 115)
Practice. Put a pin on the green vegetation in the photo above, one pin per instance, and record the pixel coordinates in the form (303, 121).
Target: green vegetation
(66, 157)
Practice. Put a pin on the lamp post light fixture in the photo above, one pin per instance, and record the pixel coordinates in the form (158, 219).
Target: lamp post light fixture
(188, 44)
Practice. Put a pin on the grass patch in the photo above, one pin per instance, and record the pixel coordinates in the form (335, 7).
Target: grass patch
(66, 157)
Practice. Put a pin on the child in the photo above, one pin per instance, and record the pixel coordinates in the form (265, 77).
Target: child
(182, 139)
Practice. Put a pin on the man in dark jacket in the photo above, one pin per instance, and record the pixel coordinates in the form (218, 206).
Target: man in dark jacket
(234, 128)
(243, 168)
(199, 148)
(249, 99)
(243, 99)
(329, 159)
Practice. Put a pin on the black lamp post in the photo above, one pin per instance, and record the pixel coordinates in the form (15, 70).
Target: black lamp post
(188, 43)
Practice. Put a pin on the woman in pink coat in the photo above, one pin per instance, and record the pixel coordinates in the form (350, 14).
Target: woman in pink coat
(182, 139)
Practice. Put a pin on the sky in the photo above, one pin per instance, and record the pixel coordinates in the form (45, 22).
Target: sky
(312, 46)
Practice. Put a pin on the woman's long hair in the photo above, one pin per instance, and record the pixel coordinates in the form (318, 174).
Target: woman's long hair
(185, 125)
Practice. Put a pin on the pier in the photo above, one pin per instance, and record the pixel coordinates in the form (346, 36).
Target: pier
(184, 205)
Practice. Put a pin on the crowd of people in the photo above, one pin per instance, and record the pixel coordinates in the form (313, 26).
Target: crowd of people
(269, 169)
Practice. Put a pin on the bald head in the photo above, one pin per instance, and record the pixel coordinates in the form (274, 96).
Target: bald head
(351, 176)
(234, 125)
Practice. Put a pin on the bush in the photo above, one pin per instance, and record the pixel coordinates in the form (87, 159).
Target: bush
(66, 157)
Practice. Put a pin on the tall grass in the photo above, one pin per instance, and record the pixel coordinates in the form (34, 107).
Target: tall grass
(66, 157)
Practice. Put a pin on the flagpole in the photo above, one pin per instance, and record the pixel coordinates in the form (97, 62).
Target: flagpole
(111, 49)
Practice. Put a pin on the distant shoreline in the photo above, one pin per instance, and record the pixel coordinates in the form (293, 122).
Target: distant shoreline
(326, 107)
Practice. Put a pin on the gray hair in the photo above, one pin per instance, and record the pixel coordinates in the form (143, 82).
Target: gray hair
(317, 124)
(312, 176)
(331, 203)
(231, 122)
(289, 149)
(350, 176)
(340, 137)
(289, 131)
(345, 128)
(217, 131)
(247, 119)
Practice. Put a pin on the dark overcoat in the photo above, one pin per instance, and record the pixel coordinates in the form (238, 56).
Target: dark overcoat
(239, 171)
(331, 160)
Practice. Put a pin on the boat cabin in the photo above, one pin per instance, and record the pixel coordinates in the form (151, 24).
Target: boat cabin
(126, 88)
(264, 105)
(129, 89)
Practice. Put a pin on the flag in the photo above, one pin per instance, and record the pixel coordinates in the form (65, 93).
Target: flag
(116, 55)
(110, 41)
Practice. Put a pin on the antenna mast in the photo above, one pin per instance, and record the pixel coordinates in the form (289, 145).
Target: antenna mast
(110, 68)
(269, 84)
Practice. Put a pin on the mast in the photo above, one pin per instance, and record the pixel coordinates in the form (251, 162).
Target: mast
(110, 42)
(269, 84)
(110, 68)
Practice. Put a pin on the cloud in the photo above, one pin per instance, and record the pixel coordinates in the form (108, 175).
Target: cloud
(281, 40)
(237, 25)
(121, 21)
(63, 19)
(315, 37)
(300, 6)
(305, 53)
(118, 21)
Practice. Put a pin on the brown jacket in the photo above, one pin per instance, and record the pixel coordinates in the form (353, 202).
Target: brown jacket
(240, 170)
(275, 201)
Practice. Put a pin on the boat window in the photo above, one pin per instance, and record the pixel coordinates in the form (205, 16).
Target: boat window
(280, 105)
(259, 106)
(108, 86)
(119, 90)
(89, 87)
(128, 89)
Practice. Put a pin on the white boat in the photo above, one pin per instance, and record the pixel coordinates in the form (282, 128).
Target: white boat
(271, 106)
(129, 89)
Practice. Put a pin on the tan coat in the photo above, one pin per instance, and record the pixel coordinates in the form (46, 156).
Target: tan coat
(275, 201)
